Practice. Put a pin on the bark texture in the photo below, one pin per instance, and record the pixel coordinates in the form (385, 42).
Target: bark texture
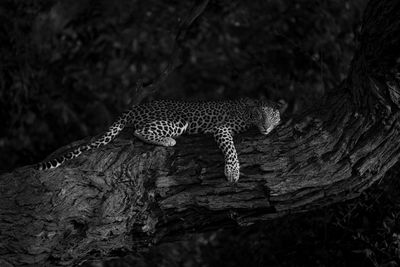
(129, 195)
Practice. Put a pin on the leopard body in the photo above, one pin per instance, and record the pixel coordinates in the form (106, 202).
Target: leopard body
(159, 122)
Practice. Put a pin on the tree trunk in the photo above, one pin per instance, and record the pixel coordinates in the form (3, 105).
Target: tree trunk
(128, 195)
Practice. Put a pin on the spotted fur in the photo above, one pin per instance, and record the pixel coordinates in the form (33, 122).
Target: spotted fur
(159, 122)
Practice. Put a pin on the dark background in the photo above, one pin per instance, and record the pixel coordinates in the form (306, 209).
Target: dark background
(69, 68)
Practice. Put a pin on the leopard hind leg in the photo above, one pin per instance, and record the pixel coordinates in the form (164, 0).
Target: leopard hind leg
(154, 139)
(161, 132)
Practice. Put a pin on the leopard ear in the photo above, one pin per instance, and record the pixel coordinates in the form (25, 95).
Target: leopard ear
(252, 106)
(282, 106)
(251, 102)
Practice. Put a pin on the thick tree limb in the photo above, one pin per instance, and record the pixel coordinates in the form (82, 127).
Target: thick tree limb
(128, 195)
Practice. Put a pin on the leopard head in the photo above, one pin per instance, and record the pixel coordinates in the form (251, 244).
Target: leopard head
(264, 114)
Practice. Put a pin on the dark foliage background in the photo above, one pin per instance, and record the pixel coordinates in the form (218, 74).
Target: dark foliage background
(68, 68)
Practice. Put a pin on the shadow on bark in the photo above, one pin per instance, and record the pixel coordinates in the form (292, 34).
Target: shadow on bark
(129, 195)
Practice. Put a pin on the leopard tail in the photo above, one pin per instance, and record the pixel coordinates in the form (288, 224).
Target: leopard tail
(106, 138)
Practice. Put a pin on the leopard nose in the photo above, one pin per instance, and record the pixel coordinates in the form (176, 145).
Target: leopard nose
(267, 131)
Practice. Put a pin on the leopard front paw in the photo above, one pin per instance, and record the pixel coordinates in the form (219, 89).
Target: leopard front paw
(232, 171)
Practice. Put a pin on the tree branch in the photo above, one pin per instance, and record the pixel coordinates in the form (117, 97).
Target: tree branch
(175, 59)
(126, 196)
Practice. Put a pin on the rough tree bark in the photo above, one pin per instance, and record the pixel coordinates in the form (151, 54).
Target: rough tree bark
(129, 195)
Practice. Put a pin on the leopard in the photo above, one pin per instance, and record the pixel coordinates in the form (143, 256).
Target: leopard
(160, 122)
